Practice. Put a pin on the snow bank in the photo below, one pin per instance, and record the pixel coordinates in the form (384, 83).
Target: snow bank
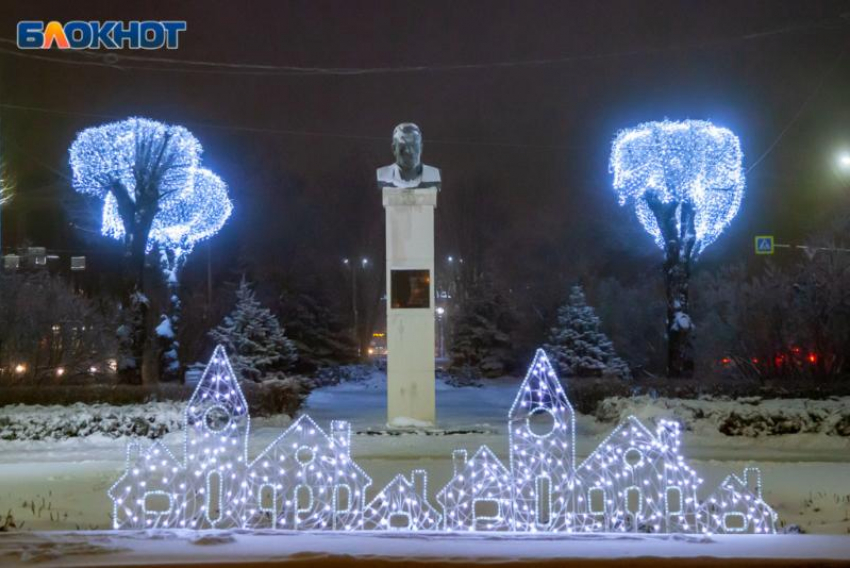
(149, 420)
(752, 417)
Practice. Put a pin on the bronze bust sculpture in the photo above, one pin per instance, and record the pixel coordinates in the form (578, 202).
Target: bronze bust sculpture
(408, 171)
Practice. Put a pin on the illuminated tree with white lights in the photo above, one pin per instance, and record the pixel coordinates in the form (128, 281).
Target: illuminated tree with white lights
(155, 197)
(686, 183)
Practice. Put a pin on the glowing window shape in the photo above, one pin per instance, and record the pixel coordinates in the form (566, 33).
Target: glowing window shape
(303, 498)
(734, 522)
(596, 500)
(158, 503)
(633, 457)
(214, 490)
(486, 510)
(268, 499)
(342, 498)
(543, 493)
(673, 500)
(634, 501)
(541, 422)
(399, 521)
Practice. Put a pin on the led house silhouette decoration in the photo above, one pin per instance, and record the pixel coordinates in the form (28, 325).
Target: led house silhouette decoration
(403, 505)
(635, 481)
(479, 495)
(541, 428)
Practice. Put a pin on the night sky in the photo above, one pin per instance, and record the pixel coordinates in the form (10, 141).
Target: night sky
(523, 146)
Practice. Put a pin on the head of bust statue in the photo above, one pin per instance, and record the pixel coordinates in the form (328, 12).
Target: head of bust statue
(407, 149)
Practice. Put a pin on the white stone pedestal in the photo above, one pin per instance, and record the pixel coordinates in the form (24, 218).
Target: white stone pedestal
(410, 330)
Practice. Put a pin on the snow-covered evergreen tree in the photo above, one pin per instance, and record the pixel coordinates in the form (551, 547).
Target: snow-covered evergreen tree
(254, 339)
(576, 344)
(481, 341)
(319, 337)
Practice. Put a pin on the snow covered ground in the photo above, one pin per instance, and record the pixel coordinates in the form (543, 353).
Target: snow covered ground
(50, 485)
(170, 548)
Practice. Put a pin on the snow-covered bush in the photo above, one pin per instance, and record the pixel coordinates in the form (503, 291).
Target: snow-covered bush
(751, 416)
(254, 339)
(577, 345)
(327, 376)
(149, 420)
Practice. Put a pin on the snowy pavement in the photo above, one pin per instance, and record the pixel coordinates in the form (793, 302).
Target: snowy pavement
(258, 548)
(61, 485)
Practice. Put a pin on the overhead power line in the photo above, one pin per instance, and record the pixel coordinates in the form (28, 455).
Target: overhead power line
(242, 128)
(121, 61)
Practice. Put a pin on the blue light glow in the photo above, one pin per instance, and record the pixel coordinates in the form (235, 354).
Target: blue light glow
(153, 165)
(691, 162)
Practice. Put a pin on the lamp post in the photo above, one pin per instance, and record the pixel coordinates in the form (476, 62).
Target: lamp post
(364, 262)
(441, 350)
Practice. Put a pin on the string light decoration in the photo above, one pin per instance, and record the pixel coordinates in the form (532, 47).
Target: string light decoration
(133, 157)
(306, 480)
(541, 430)
(686, 182)
(635, 481)
(480, 495)
(737, 507)
(137, 165)
(691, 162)
(156, 194)
(403, 506)
(185, 217)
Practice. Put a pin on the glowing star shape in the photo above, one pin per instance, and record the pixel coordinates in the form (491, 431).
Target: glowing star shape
(637, 482)
(403, 506)
(736, 506)
(479, 496)
(691, 162)
(541, 427)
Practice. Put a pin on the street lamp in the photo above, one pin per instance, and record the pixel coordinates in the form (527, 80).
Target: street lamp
(441, 351)
(844, 160)
(364, 262)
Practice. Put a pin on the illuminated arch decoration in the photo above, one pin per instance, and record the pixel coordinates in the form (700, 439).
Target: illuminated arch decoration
(635, 481)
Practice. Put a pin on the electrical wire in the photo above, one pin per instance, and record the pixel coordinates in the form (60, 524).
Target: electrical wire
(241, 128)
(116, 61)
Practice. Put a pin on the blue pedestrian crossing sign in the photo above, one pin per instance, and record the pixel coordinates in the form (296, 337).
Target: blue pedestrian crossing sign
(764, 244)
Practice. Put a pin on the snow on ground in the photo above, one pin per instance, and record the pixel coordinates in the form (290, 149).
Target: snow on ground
(170, 548)
(61, 484)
